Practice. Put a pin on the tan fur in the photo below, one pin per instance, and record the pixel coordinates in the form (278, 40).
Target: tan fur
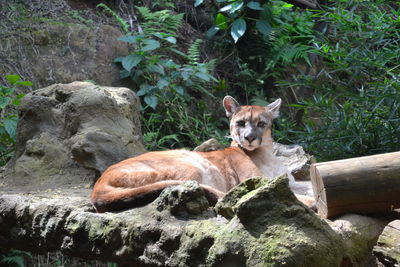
(216, 171)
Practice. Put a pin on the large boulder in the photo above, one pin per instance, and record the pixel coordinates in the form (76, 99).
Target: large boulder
(59, 42)
(69, 133)
(266, 226)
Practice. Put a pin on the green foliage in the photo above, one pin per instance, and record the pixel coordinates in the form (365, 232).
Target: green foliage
(168, 81)
(156, 4)
(9, 101)
(194, 54)
(288, 43)
(174, 125)
(159, 21)
(233, 15)
(355, 108)
(14, 258)
(124, 25)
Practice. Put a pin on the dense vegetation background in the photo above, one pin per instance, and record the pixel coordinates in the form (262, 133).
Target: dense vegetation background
(335, 64)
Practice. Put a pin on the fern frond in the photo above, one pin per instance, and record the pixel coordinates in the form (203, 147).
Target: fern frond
(292, 53)
(123, 23)
(160, 21)
(193, 55)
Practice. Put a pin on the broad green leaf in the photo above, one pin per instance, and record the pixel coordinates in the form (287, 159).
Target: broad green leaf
(151, 100)
(226, 8)
(144, 89)
(238, 29)
(175, 75)
(221, 21)
(171, 39)
(19, 96)
(264, 27)
(162, 83)
(180, 90)
(286, 5)
(150, 45)
(6, 91)
(202, 68)
(131, 61)
(211, 32)
(10, 124)
(203, 76)
(198, 2)
(167, 63)
(236, 6)
(156, 69)
(24, 83)
(159, 35)
(16, 102)
(4, 101)
(254, 5)
(131, 39)
(189, 69)
(185, 75)
(13, 78)
(124, 74)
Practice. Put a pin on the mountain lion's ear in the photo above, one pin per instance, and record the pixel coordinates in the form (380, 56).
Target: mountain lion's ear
(231, 105)
(273, 108)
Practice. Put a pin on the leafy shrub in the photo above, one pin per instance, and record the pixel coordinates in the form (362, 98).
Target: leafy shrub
(9, 101)
(355, 107)
(260, 56)
(354, 104)
(233, 15)
(169, 82)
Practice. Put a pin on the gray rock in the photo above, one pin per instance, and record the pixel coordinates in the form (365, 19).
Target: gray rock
(387, 250)
(295, 159)
(267, 227)
(209, 145)
(187, 198)
(359, 234)
(69, 133)
(60, 45)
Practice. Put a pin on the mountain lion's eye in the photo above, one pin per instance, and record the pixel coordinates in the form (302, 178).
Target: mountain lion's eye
(261, 124)
(240, 123)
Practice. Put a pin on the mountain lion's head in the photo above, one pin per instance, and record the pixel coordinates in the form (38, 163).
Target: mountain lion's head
(250, 126)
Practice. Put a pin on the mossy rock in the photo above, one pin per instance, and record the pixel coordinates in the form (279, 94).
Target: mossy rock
(269, 227)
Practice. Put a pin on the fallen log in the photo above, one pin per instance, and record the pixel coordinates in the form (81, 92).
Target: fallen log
(363, 185)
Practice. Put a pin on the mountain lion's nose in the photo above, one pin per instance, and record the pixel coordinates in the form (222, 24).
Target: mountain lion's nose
(250, 138)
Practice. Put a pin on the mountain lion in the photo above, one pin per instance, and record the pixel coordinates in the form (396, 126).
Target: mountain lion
(141, 178)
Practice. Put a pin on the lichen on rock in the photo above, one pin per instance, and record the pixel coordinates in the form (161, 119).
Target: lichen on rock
(288, 230)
